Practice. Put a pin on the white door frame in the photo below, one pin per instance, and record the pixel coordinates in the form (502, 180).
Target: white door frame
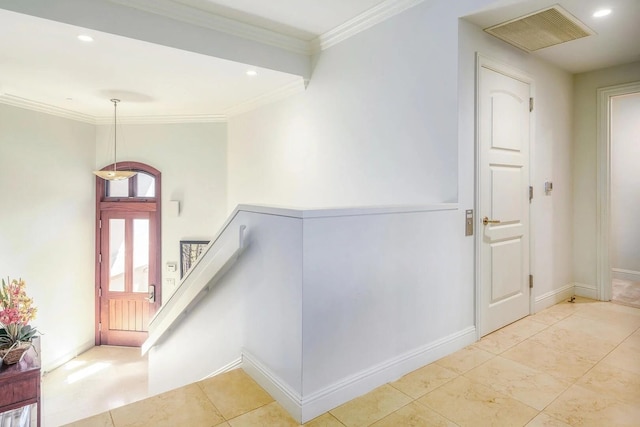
(500, 67)
(603, 191)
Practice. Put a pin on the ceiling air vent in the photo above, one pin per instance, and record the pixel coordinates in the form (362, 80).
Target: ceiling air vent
(541, 29)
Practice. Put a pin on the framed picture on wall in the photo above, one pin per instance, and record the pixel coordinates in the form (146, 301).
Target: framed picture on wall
(190, 250)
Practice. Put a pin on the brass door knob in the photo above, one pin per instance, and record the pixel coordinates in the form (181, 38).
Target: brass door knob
(486, 221)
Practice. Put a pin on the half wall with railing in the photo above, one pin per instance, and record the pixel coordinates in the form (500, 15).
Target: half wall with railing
(318, 306)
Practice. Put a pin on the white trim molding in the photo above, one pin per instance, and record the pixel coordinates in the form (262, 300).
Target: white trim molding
(622, 274)
(155, 120)
(603, 191)
(278, 94)
(295, 87)
(237, 363)
(305, 408)
(199, 17)
(586, 291)
(202, 18)
(290, 400)
(362, 22)
(362, 382)
(553, 297)
(16, 101)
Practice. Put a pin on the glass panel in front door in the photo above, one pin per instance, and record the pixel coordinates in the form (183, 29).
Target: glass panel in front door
(141, 255)
(116, 255)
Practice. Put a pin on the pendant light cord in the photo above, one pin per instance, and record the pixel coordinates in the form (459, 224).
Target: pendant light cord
(115, 175)
(115, 134)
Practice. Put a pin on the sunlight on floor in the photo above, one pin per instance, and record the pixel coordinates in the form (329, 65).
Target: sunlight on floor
(73, 364)
(87, 372)
(98, 380)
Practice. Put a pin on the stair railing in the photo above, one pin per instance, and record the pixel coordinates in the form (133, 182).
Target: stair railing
(214, 262)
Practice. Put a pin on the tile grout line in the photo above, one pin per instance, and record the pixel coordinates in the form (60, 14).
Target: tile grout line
(415, 400)
(199, 384)
(579, 313)
(227, 420)
(575, 382)
(536, 370)
(529, 338)
(435, 410)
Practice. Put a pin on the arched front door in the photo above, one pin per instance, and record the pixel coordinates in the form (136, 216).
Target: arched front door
(128, 290)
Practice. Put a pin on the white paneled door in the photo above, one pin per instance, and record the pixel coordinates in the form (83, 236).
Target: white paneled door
(503, 211)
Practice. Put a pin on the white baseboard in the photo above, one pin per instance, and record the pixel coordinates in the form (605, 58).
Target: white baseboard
(586, 291)
(553, 297)
(53, 364)
(274, 385)
(305, 408)
(226, 368)
(622, 274)
(363, 382)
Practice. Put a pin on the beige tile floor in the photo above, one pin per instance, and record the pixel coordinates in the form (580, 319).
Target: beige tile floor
(570, 365)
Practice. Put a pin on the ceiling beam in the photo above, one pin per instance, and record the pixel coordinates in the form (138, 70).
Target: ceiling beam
(114, 17)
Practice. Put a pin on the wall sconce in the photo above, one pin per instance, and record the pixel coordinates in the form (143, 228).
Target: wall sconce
(174, 208)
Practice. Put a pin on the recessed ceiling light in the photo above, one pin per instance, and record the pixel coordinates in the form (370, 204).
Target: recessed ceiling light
(85, 38)
(252, 73)
(601, 12)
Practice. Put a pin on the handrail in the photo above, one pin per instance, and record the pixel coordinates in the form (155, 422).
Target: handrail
(211, 266)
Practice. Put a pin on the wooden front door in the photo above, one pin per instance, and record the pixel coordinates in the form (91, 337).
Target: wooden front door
(128, 277)
(503, 153)
(128, 290)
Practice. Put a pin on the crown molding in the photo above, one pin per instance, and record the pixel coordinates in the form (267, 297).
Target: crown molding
(364, 21)
(157, 120)
(297, 86)
(16, 101)
(28, 104)
(191, 15)
(202, 18)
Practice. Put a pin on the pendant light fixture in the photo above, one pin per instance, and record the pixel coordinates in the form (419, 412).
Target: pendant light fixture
(115, 174)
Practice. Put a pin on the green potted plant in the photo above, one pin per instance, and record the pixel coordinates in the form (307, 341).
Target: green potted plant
(16, 311)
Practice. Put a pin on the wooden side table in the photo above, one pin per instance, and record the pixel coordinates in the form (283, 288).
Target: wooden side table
(20, 383)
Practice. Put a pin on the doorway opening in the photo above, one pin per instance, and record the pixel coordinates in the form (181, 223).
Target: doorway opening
(127, 255)
(617, 249)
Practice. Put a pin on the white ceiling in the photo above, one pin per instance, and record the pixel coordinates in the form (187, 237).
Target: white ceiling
(42, 64)
(43, 61)
(617, 38)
